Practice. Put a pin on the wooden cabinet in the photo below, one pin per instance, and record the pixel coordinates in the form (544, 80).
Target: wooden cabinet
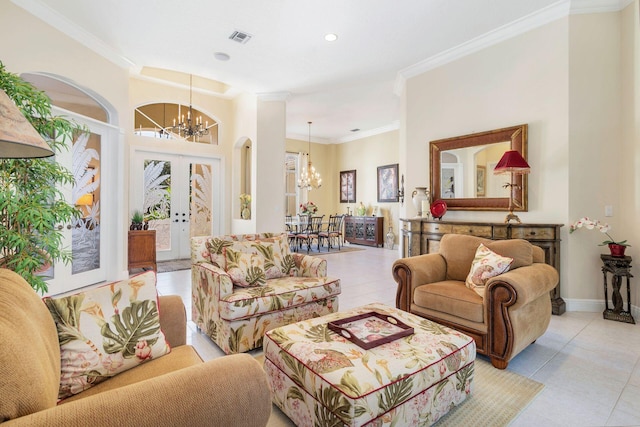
(142, 249)
(364, 230)
(422, 236)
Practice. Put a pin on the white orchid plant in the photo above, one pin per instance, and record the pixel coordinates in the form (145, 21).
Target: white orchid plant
(591, 224)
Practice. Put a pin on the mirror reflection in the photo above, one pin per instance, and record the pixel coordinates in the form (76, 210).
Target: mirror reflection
(462, 170)
(468, 172)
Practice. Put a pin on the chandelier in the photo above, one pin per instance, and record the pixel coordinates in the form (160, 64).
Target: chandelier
(190, 128)
(309, 178)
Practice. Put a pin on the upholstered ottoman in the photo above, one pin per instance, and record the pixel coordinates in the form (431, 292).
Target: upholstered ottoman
(319, 377)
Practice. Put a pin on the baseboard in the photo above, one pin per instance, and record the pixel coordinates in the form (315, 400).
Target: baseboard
(595, 306)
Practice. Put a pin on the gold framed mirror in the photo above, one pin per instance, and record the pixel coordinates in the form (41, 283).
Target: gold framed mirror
(462, 170)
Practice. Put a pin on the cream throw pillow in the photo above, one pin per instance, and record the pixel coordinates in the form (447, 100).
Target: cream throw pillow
(486, 264)
(245, 269)
(107, 330)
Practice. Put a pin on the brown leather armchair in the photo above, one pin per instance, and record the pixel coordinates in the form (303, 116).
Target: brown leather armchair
(515, 310)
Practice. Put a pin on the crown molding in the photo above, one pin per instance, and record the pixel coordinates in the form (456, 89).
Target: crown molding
(598, 6)
(527, 23)
(59, 22)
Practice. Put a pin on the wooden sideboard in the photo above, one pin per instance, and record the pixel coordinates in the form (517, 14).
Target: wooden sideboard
(142, 249)
(422, 236)
(364, 230)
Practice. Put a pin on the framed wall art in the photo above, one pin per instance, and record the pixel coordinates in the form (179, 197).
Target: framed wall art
(348, 186)
(388, 183)
(481, 180)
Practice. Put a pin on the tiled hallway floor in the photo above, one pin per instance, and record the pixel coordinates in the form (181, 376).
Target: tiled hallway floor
(590, 366)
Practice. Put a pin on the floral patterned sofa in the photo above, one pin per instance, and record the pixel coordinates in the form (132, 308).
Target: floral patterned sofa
(245, 285)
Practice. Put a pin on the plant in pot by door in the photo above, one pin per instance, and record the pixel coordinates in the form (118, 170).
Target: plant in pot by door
(137, 220)
(616, 248)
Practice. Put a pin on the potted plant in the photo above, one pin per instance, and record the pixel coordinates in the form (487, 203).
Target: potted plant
(616, 248)
(32, 207)
(137, 220)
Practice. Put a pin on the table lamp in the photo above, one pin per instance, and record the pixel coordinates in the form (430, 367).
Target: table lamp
(513, 163)
(18, 138)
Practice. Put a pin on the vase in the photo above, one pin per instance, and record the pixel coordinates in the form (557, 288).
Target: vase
(419, 195)
(391, 238)
(245, 213)
(617, 250)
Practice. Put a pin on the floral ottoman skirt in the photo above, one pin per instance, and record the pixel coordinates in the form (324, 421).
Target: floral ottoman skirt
(319, 377)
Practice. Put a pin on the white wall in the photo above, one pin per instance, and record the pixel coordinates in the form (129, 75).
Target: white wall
(575, 82)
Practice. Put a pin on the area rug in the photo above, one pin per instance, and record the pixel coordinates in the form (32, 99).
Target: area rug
(498, 397)
(323, 251)
(174, 265)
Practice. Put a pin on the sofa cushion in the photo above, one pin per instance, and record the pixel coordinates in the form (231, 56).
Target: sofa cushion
(106, 330)
(520, 250)
(244, 269)
(486, 264)
(459, 250)
(278, 260)
(29, 350)
(276, 295)
(180, 357)
(215, 245)
(452, 297)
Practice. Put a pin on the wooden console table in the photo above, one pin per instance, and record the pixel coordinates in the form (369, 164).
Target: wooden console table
(364, 230)
(142, 249)
(422, 236)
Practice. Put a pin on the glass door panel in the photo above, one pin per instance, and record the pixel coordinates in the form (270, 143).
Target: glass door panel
(156, 206)
(180, 197)
(85, 232)
(201, 204)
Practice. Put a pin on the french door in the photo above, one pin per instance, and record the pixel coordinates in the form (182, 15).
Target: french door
(91, 237)
(179, 196)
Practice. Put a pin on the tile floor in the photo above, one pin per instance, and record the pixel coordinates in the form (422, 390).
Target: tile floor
(590, 366)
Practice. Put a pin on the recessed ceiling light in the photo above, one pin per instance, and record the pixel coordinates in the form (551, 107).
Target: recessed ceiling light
(331, 37)
(221, 56)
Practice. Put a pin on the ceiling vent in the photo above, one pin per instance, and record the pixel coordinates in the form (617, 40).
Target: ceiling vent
(240, 37)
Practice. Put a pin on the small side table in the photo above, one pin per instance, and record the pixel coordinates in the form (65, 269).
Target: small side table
(142, 249)
(619, 267)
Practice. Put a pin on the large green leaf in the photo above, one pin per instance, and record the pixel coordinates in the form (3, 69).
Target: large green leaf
(139, 321)
(66, 314)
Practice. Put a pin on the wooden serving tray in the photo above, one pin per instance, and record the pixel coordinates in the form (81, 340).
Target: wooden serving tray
(369, 330)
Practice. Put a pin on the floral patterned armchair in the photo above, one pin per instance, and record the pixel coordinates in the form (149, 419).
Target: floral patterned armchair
(245, 285)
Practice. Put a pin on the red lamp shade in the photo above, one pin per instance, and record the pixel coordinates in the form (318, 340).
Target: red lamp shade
(512, 161)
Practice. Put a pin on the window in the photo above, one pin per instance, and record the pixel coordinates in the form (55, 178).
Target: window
(291, 188)
(158, 121)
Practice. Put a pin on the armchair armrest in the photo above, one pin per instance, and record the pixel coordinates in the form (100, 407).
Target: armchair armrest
(412, 272)
(173, 319)
(310, 266)
(204, 274)
(529, 282)
(227, 391)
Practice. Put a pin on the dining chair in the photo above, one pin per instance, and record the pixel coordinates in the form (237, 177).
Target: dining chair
(333, 232)
(310, 232)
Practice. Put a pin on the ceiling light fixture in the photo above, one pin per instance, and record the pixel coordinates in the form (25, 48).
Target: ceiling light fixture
(331, 37)
(189, 129)
(221, 56)
(309, 178)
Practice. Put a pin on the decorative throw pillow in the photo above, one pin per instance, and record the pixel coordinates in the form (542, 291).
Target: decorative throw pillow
(107, 330)
(244, 269)
(486, 264)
